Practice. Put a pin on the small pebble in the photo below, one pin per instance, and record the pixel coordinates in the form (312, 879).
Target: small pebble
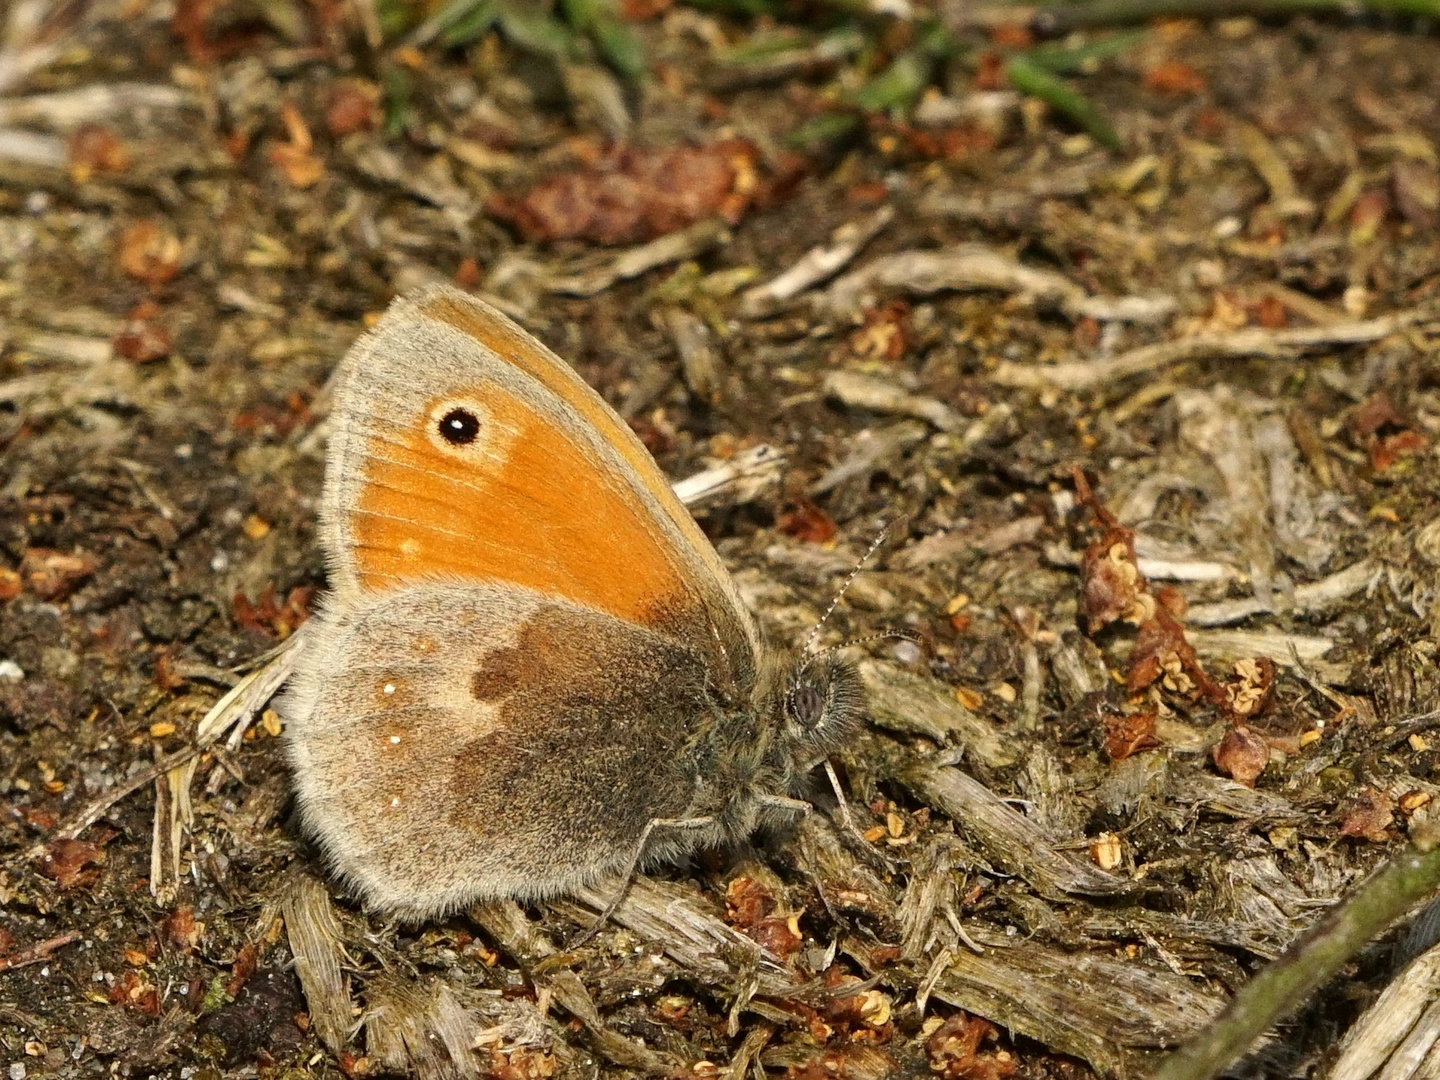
(907, 652)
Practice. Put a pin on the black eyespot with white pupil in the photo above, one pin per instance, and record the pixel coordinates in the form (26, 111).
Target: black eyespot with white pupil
(807, 705)
(459, 427)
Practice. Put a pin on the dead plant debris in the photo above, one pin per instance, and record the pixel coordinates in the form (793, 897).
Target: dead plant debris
(1150, 649)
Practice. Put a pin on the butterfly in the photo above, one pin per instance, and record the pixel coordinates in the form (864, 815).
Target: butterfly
(532, 670)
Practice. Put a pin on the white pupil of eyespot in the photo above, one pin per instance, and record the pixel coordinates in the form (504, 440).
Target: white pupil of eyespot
(395, 740)
(389, 688)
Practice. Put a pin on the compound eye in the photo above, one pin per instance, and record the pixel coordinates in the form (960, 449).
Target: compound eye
(806, 705)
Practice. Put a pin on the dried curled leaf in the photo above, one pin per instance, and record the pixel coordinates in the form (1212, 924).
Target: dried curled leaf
(1242, 755)
(1112, 587)
(296, 158)
(634, 195)
(1253, 689)
(1370, 816)
(1129, 733)
(806, 521)
(70, 863)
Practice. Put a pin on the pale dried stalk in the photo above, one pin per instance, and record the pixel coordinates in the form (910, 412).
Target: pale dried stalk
(1272, 344)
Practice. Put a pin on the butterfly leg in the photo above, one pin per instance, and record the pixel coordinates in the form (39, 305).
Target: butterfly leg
(847, 819)
(678, 824)
(849, 829)
(798, 807)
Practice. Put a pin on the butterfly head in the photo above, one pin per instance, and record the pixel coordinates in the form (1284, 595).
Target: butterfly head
(822, 706)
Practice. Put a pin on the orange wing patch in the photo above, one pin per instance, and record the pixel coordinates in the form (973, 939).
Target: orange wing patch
(527, 507)
(519, 349)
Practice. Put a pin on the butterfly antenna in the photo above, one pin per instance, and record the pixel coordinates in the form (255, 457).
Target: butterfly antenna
(890, 633)
(880, 538)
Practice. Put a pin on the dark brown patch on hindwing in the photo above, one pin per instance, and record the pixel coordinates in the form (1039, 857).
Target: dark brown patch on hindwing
(594, 719)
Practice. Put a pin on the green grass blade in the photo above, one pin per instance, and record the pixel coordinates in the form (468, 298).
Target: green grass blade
(620, 46)
(538, 32)
(474, 24)
(1070, 60)
(899, 86)
(1034, 80)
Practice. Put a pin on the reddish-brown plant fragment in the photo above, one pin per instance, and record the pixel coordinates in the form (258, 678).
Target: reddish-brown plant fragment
(854, 1061)
(1269, 311)
(136, 992)
(1369, 816)
(1111, 585)
(1386, 432)
(952, 143)
(1162, 653)
(356, 1065)
(270, 422)
(150, 252)
(296, 158)
(71, 863)
(1129, 733)
(954, 1050)
(166, 677)
(1368, 214)
(37, 817)
(1253, 688)
(1242, 755)
(990, 72)
(54, 575)
(780, 937)
(182, 929)
(1086, 333)
(246, 961)
(1389, 449)
(865, 1016)
(1376, 413)
(806, 521)
(1012, 36)
(1113, 588)
(268, 615)
(753, 909)
(747, 900)
(632, 195)
(469, 273)
(643, 10)
(354, 105)
(142, 341)
(95, 148)
(191, 24)
(884, 334)
(1174, 77)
